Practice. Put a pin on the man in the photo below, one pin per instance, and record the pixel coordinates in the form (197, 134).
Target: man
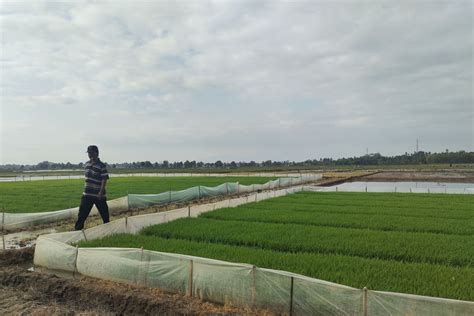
(94, 190)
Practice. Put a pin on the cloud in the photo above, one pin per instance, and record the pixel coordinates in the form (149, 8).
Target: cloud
(234, 81)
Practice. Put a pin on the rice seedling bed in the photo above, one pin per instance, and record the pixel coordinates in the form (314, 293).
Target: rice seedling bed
(390, 252)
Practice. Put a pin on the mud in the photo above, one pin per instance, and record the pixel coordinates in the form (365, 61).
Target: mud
(462, 176)
(24, 292)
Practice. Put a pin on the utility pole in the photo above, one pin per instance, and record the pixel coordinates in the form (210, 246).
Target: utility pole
(416, 145)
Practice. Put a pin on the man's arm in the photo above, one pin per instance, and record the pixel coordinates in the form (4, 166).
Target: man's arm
(102, 189)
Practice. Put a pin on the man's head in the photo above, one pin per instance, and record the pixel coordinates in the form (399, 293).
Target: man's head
(93, 152)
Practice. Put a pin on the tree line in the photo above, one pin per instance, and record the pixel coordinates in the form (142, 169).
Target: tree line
(366, 160)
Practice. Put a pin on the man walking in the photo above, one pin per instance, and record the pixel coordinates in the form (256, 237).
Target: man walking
(94, 190)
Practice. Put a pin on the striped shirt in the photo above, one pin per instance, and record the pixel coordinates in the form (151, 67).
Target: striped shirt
(95, 172)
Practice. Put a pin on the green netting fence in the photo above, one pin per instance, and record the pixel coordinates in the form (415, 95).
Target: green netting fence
(228, 188)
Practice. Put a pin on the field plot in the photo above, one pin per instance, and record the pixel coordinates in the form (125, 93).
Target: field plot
(409, 243)
(52, 195)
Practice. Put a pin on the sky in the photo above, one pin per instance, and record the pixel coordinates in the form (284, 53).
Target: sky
(234, 80)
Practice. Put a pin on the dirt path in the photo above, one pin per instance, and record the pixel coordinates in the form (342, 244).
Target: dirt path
(24, 292)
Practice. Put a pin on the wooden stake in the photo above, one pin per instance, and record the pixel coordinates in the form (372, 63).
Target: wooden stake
(190, 285)
(75, 262)
(365, 301)
(291, 296)
(3, 223)
(254, 287)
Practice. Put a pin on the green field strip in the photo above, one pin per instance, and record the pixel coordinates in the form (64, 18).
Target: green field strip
(373, 221)
(450, 200)
(386, 196)
(423, 205)
(375, 274)
(350, 210)
(468, 209)
(390, 195)
(444, 249)
(53, 195)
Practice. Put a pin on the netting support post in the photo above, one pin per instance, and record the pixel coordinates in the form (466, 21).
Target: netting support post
(254, 286)
(190, 284)
(199, 191)
(292, 281)
(3, 229)
(3, 221)
(365, 301)
(75, 262)
(128, 202)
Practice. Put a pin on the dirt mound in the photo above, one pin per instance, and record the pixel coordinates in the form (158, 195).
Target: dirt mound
(26, 292)
(16, 257)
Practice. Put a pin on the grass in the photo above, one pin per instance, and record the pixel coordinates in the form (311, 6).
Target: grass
(385, 241)
(52, 195)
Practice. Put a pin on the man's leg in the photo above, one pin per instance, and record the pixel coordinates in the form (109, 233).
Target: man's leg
(84, 209)
(103, 209)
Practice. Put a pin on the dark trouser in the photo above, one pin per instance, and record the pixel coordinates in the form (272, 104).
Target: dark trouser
(86, 206)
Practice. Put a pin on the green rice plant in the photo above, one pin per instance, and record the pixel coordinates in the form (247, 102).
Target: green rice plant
(375, 274)
(368, 210)
(401, 204)
(374, 221)
(435, 201)
(52, 195)
(444, 249)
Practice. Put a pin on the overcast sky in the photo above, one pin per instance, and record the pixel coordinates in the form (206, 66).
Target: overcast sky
(234, 80)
